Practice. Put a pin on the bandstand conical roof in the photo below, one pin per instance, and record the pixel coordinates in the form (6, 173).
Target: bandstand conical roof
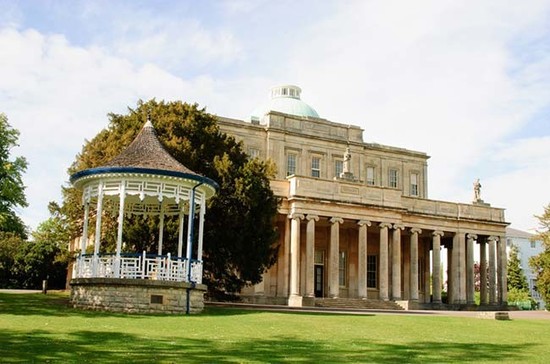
(147, 156)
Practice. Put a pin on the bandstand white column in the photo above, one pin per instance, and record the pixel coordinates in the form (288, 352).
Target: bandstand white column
(414, 264)
(294, 299)
(84, 239)
(122, 198)
(396, 262)
(201, 228)
(180, 231)
(99, 213)
(334, 262)
(470, 276)
(436, 274)
(161, 228)
(310, 255)
(362, 257)
(383, 279)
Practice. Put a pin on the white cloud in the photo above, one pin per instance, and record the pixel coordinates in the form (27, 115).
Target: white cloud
(457, 80)
(58, 95)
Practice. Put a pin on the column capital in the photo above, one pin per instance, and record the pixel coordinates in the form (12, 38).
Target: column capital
(492, 238)
(335, 220)
(295, 215)
(471, 236)
(312, 217)
(438, 232)
(384, 225)
(399, 226)
(416, 231)
(364, 222)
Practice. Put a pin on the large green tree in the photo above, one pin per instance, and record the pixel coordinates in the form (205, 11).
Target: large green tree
(240, 237)
(12, 189)
(541, 262)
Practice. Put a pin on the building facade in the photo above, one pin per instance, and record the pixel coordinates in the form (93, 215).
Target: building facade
(355, 219)
(527, 248)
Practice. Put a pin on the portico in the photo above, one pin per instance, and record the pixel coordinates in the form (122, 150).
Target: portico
(367, 255)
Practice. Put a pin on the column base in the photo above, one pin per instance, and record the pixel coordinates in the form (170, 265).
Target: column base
(295, 301)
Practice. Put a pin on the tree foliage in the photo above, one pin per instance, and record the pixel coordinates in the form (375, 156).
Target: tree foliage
(541, 262)
(239, 238)
(12, 189)
(516, 278)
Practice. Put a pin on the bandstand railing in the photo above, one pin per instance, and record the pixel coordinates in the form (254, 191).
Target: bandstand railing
(137, 266)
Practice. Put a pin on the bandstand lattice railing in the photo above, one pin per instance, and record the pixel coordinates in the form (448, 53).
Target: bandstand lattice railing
(143, 180)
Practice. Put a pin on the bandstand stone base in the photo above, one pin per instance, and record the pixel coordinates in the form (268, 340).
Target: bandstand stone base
(136, 295)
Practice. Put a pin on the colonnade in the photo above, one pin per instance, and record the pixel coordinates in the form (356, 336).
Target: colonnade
(398, 271)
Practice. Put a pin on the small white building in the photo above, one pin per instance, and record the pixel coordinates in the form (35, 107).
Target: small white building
(526, 249)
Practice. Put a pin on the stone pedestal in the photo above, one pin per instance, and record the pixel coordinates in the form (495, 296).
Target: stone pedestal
(136, 295)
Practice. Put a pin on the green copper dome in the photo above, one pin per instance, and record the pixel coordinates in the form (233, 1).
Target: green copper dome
(285, 99)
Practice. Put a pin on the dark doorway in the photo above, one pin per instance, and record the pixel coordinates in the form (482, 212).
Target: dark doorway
(319, 272)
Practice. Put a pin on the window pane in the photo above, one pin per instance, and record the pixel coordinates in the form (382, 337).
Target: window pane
(338, 168)
(291, 164)
(315, 167)
(371, 271)
(342, 269)
(370, 176)
(414, 184)
(393, 178)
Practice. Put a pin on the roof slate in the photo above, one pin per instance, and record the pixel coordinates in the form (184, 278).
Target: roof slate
(146, 151)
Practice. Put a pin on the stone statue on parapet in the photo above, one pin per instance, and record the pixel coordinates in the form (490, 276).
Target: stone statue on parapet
(477, 190)
(346, 168)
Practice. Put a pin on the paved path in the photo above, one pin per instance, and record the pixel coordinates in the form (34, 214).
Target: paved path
(533, 315)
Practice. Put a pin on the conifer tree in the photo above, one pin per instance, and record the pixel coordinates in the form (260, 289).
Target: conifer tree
(541, 262)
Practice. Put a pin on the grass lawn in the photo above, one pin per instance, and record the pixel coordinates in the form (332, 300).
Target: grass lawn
(41, 328)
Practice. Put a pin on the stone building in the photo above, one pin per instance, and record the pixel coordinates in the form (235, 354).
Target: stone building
(356, 222)
(527, 248)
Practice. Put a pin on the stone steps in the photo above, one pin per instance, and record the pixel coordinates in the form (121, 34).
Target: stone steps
(355, 303)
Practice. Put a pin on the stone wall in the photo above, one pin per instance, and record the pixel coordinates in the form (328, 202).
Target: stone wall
(136, 295)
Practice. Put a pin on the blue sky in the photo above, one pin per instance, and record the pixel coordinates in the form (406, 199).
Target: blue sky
(466, 82)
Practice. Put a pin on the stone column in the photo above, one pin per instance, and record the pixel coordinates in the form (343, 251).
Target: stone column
(294, 298)
(470, 275)
(310, 255)
(282, 262)
(383, 279)
(362, 259)
(414, 264)
(334, 262)
(492, 270)
(396, 262)
(482, 272)
(503, 260)
(436, 272)
(459, 280)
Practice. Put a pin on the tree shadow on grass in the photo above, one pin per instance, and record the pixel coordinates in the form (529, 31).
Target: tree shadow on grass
(117, 347)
